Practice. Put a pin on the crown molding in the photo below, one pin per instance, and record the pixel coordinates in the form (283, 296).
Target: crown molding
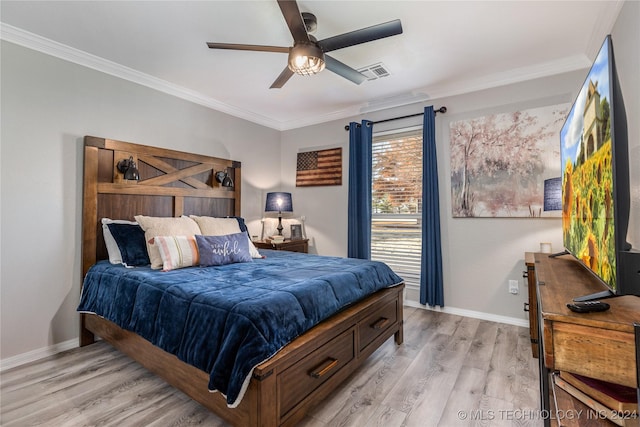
(49, 47)
(519, 75)
(602, 27)
(350, 111)
(41, 44)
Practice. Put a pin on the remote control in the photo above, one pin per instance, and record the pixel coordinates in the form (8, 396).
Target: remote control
(588, 306)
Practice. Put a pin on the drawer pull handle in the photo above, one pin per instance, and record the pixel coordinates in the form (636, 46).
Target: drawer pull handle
(324, 368)
(380, 323)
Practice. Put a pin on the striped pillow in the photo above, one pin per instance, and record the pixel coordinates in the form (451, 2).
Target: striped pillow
(177, 251)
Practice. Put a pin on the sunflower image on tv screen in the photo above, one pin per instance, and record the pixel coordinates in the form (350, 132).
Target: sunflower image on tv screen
(587, 181)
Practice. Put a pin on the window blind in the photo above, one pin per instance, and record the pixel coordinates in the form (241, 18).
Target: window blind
(396, 229)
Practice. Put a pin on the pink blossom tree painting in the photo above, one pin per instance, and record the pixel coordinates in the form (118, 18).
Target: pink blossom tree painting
(499, 162)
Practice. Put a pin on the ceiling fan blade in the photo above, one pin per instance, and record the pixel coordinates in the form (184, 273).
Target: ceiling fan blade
(254, 47)
(294, 20)
(284, 77)
(362, 35)
(344, 70)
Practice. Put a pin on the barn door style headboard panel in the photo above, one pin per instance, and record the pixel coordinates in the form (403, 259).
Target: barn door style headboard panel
(171, 183)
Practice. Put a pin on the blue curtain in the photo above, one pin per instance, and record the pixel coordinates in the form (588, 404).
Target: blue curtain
(359, 210)
(431, 291)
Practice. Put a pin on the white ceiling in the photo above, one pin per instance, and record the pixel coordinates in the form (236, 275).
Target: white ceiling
(447, 48)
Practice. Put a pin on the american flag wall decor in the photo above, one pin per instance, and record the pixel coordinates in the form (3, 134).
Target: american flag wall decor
(323, 167)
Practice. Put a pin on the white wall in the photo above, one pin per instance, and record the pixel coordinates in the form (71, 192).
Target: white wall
(480, 255)
(48, 105)
(626, 47)
(325, 207)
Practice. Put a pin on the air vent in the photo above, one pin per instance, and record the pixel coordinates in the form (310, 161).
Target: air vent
(375, 71)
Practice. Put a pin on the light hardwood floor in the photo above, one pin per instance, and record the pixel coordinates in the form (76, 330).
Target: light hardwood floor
(450, 371)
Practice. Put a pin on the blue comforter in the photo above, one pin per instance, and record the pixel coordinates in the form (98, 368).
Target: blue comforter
(228, 319)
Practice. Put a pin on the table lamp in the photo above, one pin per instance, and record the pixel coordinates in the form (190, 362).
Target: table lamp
(279, 202)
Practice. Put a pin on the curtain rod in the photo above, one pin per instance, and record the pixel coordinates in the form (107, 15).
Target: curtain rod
(435, 112)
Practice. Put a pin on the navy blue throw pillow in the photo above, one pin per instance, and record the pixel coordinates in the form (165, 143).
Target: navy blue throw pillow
(241, 224)
(130, 241)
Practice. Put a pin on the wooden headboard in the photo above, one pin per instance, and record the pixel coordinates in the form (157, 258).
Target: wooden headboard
(172, 183)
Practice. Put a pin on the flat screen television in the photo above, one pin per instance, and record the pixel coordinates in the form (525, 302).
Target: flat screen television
(595, 181)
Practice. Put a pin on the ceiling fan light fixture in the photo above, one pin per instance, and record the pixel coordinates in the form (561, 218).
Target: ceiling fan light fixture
(306, 59)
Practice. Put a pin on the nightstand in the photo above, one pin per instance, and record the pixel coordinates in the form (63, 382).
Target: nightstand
(288, 245)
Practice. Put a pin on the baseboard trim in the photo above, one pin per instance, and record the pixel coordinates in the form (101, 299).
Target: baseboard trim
(37, 354)
(471, 313)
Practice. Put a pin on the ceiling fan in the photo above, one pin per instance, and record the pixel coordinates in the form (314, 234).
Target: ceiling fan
(308, 56)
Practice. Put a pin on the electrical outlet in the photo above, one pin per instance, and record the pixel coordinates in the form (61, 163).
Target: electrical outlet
(513, 287)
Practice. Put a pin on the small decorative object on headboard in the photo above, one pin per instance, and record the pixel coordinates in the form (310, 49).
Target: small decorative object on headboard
(129, 169)
(224, 179)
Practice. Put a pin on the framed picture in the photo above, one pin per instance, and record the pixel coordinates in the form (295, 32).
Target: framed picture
(499, 162)
(296, 231)
(323, 167)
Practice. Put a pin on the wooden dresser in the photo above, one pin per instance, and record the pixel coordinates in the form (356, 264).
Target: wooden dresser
(530, 274)
(597, 345)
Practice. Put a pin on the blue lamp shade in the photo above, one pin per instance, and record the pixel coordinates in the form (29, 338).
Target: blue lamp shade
(553, 194)
(279, 202)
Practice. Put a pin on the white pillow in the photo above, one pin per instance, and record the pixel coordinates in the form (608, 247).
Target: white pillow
(211, 226)
(115, 257)
(164, 226)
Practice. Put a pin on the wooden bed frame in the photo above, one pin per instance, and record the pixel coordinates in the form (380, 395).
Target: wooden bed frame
(174, 183)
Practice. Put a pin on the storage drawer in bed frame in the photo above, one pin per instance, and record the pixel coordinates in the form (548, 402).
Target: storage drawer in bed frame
(385, 316)
(300, 380)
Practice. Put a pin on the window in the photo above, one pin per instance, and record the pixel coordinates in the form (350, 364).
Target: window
(396, 226)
